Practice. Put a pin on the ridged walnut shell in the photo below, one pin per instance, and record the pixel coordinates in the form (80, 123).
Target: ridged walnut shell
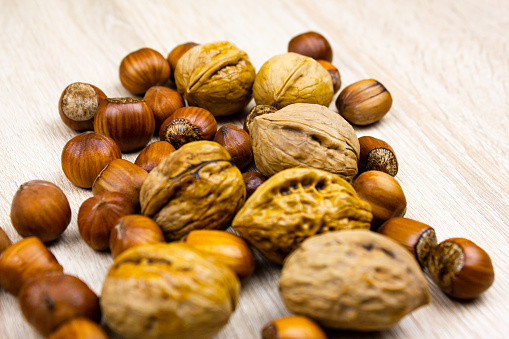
(357, 280)
(296, 204)
(168, 291)
(195, 187)
(304, 135)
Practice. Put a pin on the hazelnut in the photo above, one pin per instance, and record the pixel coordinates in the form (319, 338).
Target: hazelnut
(79, 328)
(256, 111)
(237, 143)
(98, 215)
(377, 155)
(227, 248)
(334, 74)
(143, 69)
(23, 260)
(293, 327)
(163, 101)
(50, 300)
(175, 55)
(153, 154)
(252, 180)
(85, 156)
(128, 121)
(78, 104)
(121, 176)
(364, 102)
(188, 124)
(40, 208)
(417, 237)
(460, 268)
(4, 240)
(133, 230)
(383, 193)
(311, 44)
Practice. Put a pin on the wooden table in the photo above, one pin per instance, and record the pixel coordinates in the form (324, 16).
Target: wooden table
(444, 61)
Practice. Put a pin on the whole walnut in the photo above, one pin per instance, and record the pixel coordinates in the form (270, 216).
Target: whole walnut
(292, 78)
(296, 204)
(216, 76)
(195, 187)
(304, 135)
(355, 280)
(168, 291)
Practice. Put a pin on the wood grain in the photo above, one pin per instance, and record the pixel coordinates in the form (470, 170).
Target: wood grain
(445, 63)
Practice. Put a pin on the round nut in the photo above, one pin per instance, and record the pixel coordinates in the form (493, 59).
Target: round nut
(377, 155)
(163, 101)
(79, 328)
(293, 327)
(153, 154)
(175, 55)
(253, 180)
(334, 74)
(236, 141)
(256, 111)
(311, 44)
(4, 240)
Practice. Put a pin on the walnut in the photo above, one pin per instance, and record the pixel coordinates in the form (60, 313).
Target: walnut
(296, 204)
(304, 135)
(216, 76)
(292, 78)
(357, 280)
(168, 291)
(195, 187)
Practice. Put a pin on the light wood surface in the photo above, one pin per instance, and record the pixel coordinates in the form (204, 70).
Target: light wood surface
(445, 63)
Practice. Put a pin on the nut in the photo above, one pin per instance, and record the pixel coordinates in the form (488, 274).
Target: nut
(304, 135)
(292, 78)
(383, 193)
(85, 156)
(334, 74)
(229, 249)
(364, 102)
(377, 155)
(98, 214)
(176, 290)
(50, 300)
(460, 268)
(78, 104)
(417, 237)
(40, 208)
(356, 280)
(176, 54)
(79, 328)
(236, 141)
(23, 260)
(296, 204)
(216, 76)
(163, 101)
(256, 111)
(252, 180)
(153, 154)
(4, 240)
(293, 327)
(133, 230)
(128, 121)
(188, 124)
(311, 44)
(143, 69)
(195, 187)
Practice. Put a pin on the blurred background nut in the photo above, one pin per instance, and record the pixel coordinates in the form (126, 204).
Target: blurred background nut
(311, 44)
(40, 208)
(293, 327)
(253, 180)
(4, 240)
(175, 55)
(153, 154)
(256, 111)
(163, 101)
(236, 141)
(334, 74)
(79, 328)
(377, 155)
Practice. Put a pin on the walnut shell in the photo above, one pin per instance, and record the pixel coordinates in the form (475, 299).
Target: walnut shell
(195, 187)
(216, 76)
(304, 135)
(168, 291)
(292, 78)
(296, 204)
(356, 279)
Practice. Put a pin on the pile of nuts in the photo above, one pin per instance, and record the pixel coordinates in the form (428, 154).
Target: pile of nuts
(324, 204)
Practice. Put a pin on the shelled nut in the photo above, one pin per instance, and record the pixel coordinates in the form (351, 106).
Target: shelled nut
(293, 327)
(163, 101)
(253, 180)
(153, 154)
(237, 143)
(311, 44)
(377, 155)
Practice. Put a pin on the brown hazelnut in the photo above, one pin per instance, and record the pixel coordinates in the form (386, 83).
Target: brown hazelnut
(78, 104)
(383, 193)
(134, 230)
(237, 143)
(121, 176)
(227, 248)
(256, 111)
(4, 240)
(364, 102)
(311, 44)
(163, 101)
(40, 209)
(50, 300)
(98, 215)
(79, 328)
(153, 154)
(377, 155)
(175, 55)
(334, 74)
(143, 69)
(85, 156)
(128, 121)
(293, 327)
(460, 268)
(23, 260)
(188, 124)
(252, 180)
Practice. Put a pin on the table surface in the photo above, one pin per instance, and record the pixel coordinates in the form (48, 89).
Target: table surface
(445, 63)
